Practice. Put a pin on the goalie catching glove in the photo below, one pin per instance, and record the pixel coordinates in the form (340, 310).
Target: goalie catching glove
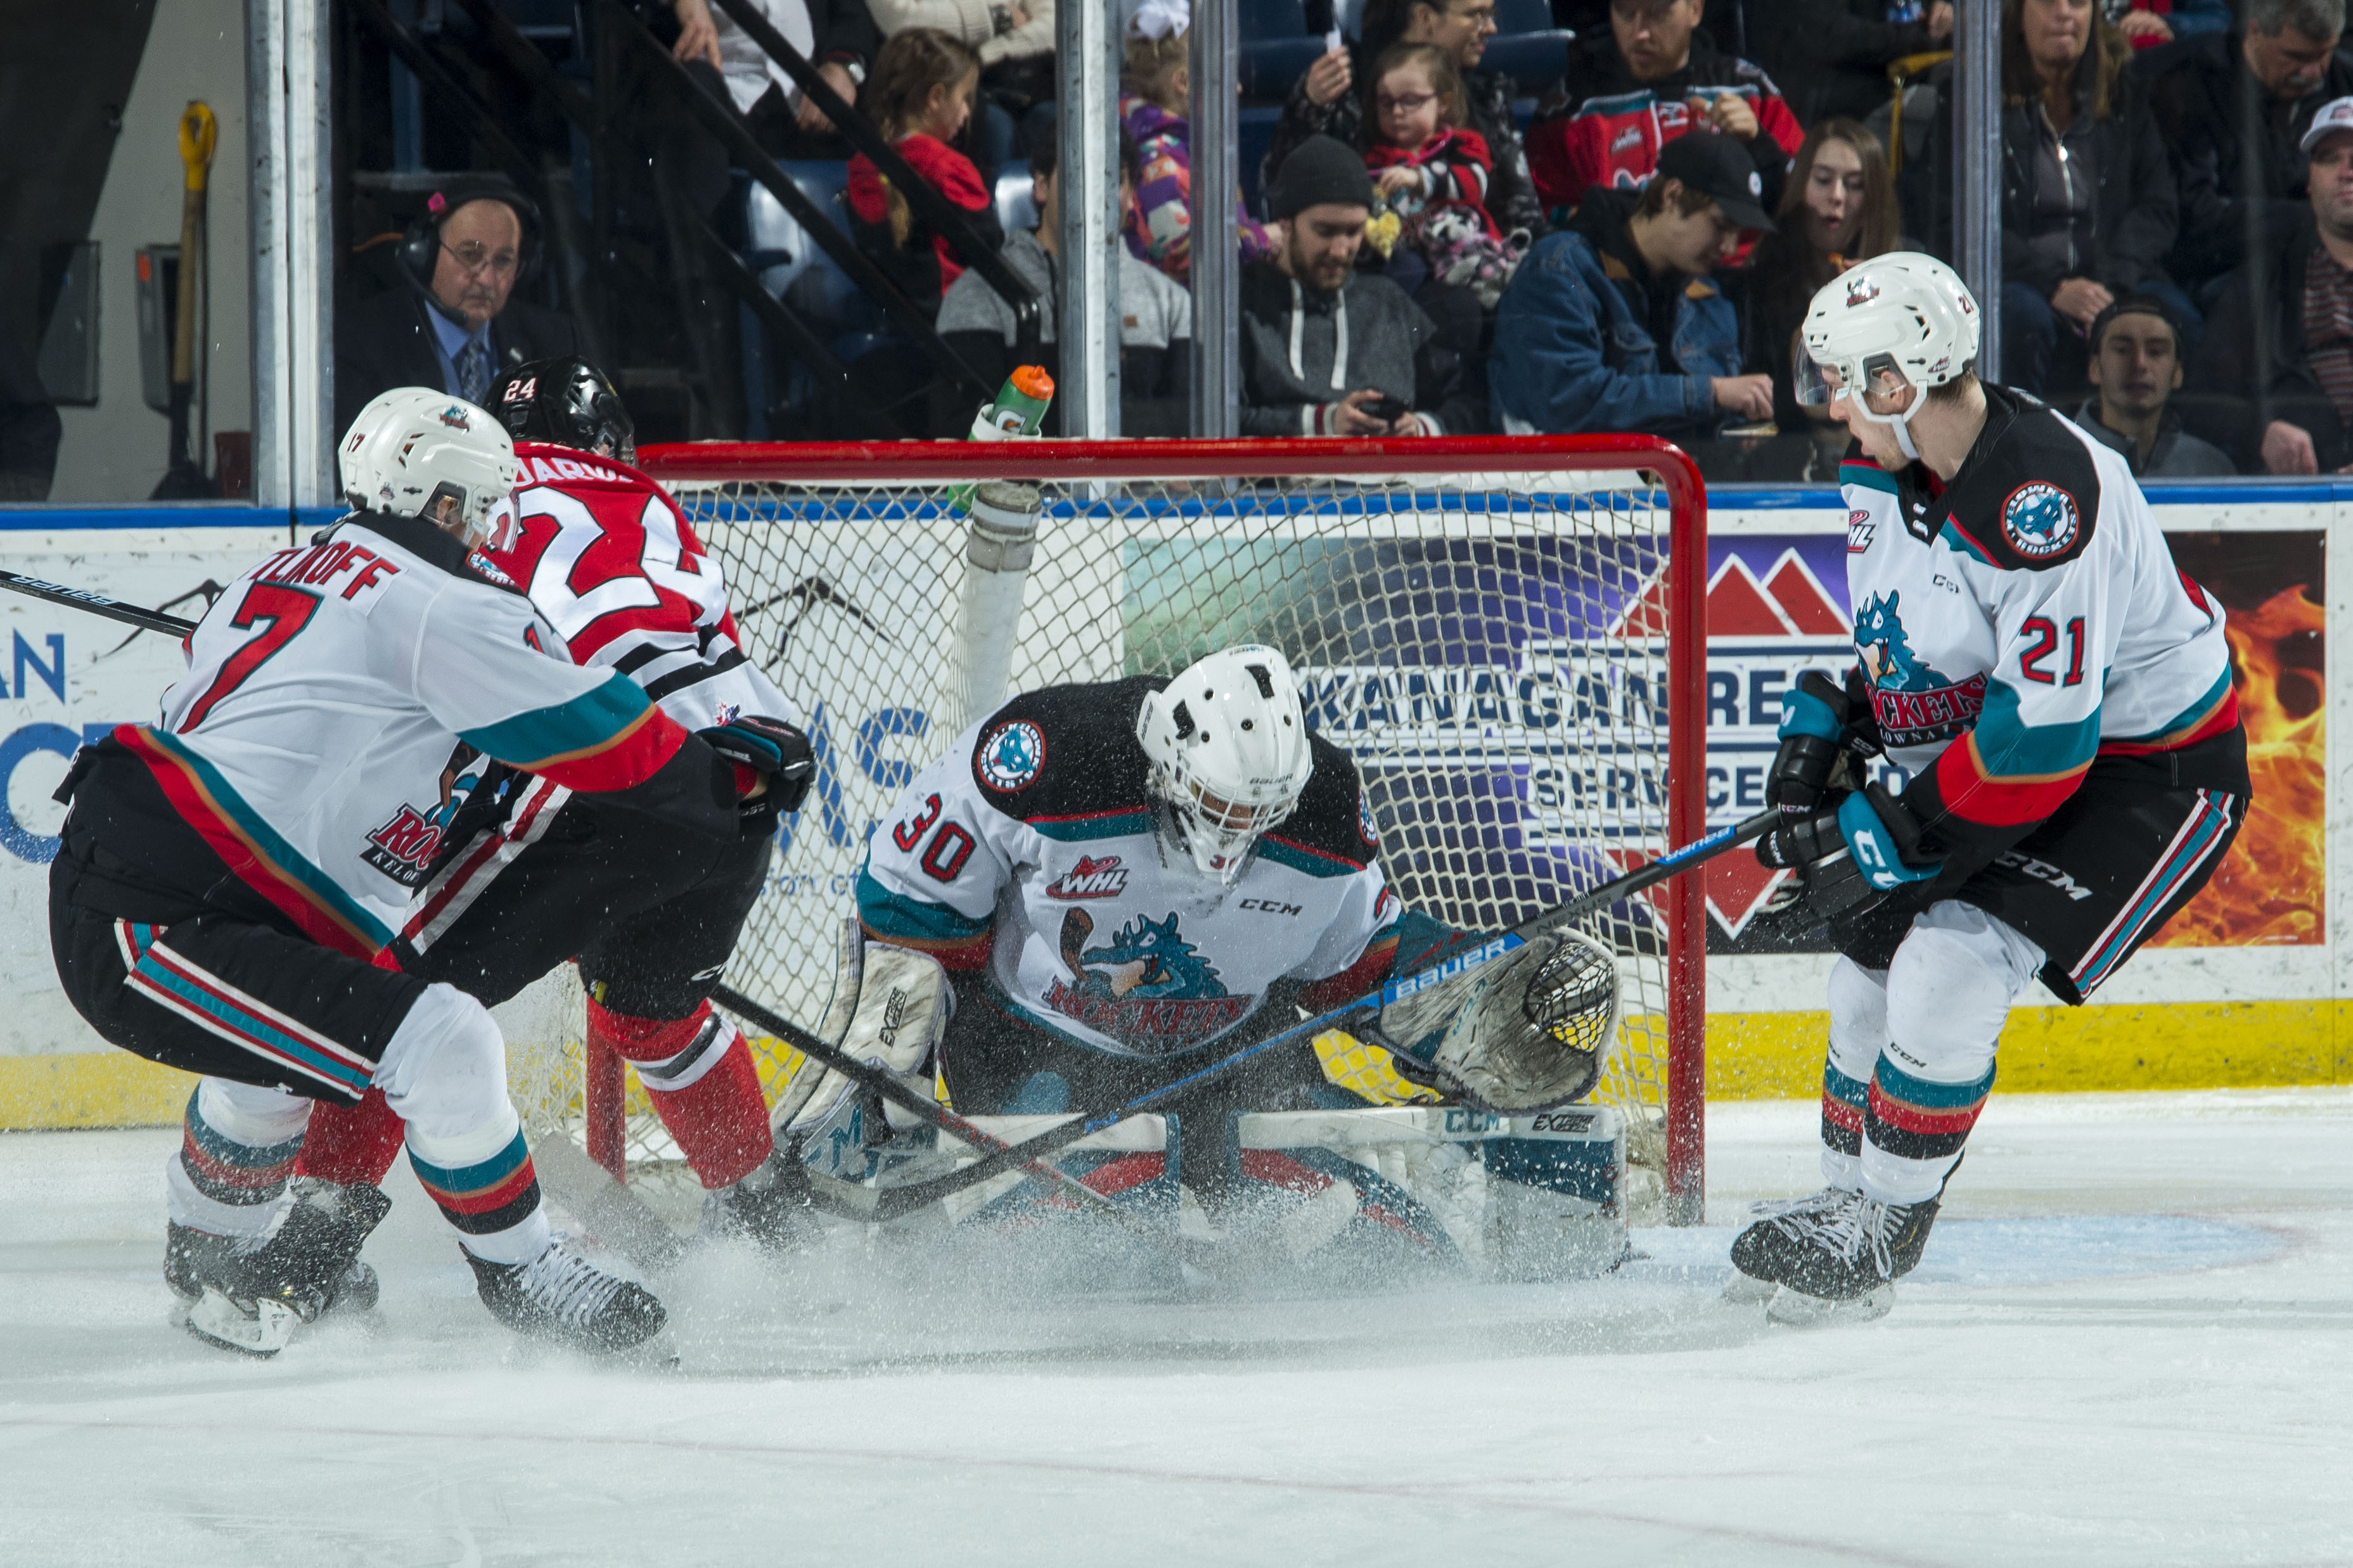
(891, 1006)
(1521, 1032)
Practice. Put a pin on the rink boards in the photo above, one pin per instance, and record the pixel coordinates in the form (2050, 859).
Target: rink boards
(2249, 992)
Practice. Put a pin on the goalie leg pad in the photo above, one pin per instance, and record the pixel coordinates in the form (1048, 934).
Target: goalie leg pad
(904, 1004)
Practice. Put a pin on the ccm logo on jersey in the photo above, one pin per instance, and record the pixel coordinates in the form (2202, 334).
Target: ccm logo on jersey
(1270, 906)
(2039, 520)
(1089, 879)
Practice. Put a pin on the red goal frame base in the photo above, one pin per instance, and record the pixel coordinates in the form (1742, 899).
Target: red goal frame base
(1683, 902)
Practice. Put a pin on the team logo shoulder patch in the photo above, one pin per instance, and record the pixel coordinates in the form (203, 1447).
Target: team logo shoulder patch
(1093, 878)
(1366, 828)
(1860, 531)
(2039, 520)
(1011, 756)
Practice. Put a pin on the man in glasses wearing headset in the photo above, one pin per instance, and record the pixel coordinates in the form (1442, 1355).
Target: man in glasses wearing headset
(453, 322)
(2059, 697)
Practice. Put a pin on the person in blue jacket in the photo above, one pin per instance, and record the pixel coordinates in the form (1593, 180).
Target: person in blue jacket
(1612, 323)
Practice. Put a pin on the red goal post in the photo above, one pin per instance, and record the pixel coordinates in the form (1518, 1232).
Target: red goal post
(1511, 631)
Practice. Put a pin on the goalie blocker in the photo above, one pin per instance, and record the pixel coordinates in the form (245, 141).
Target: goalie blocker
(1125, 882)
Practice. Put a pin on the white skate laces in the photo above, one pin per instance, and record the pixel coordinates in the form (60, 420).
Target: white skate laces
(1846, 1228)
(566, 1287)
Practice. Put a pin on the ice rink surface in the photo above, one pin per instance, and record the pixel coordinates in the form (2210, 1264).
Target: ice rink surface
(2131, 1341)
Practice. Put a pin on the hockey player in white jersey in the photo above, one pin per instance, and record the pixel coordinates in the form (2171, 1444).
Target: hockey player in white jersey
(2060, 697)
(221, 902)
(1122, 882)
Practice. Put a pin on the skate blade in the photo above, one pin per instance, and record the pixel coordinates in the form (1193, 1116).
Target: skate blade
(1795, 1310)
(217, 1320)
(1743, 1290)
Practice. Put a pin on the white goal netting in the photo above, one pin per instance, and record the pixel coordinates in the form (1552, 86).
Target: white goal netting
(1490, 648)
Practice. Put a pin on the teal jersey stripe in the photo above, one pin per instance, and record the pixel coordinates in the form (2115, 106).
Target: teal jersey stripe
(474, 1178)
(1866, 478)
(2011, 748)
(1300, 859)
(583, 724)
(895, 914)
(314, 881)
(2184, 719)
(259, 1029)
(1898, 1084)
(1954, 539)
(1083, 829)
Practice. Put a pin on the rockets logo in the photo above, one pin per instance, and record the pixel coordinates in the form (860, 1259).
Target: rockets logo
(1011, 757)
(402, 847)
(455, 417)
(1089, 879)
(2039, 520)
(1861, 291)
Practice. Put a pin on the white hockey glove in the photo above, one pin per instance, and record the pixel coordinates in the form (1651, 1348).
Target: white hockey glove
(897, 1003)
(1518, 1034)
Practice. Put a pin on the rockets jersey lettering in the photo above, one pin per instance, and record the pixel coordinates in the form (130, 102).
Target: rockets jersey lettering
(326, 691)
(615, 567)
(1034, 847)
(2024, 618)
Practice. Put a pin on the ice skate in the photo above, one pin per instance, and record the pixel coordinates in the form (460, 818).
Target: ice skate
(771, 1207)
(1840, 1247)
(562, 1297)
(308, 1267)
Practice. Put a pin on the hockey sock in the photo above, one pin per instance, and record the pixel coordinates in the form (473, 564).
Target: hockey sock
(1914, 1129)
(351, 1145)
(1858, 1034)
(236, 1149)
(698, 1072)
(444, 1074)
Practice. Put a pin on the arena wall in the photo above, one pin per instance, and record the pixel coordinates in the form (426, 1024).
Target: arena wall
(2248, 988)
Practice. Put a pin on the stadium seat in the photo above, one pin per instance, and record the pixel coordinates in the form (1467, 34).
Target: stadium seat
(1526, 46)
(1269, 65)
(1270, 20)
(1014, 209)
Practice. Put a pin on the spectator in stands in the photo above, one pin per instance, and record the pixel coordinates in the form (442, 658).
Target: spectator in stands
(2283, 332)
(454, 325)
(2136, 369)
(1015, 42)
(1325, 101)
(1155, 86)
(2151, 23)
(2232, 108)
(1614, 323)
(921, 98)
(1629, 92)
(2087, 210)
(1837, 208)
(1155, 349)
(1328, 350)
(838, 36)
(1832, 56)
(1432, 173)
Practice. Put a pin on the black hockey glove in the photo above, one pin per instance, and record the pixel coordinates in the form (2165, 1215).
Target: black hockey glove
(1850, 855)
(1824, 730)
(769, 746)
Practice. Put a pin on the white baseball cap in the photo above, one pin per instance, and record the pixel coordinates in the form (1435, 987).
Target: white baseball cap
(2332, 118)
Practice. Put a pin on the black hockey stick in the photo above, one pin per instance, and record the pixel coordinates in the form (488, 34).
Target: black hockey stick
(97, 604)
(890, 1202)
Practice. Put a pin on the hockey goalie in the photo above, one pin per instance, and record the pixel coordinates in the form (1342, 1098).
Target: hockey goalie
(1102, 890)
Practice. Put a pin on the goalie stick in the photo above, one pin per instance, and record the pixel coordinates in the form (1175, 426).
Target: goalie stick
(890, 1202)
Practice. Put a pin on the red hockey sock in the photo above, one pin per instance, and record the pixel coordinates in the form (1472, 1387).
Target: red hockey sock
(714, 1109)
(352, 1144)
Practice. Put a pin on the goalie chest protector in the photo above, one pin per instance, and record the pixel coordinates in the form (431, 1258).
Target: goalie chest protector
(1034, 846)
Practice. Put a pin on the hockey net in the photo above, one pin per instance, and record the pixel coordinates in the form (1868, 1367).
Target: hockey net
(1504, 633)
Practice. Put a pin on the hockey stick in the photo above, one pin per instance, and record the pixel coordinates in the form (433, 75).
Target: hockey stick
(97, 604)
(890, 1202)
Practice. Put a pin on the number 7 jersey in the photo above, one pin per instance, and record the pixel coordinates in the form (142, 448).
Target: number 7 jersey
(2020, 621)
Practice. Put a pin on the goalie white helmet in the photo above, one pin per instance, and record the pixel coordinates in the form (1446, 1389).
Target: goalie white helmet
(1895, 320)
(413, 448)
(1227, 743)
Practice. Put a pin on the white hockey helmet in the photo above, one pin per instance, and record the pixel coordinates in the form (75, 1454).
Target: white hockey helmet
(1898, 319)
(1227, 743)
(413, 446)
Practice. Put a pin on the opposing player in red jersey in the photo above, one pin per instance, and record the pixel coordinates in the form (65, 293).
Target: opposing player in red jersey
(529, 874)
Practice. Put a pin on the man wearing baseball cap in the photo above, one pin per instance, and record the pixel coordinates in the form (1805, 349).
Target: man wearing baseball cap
(1613, 325)
(2281, 334)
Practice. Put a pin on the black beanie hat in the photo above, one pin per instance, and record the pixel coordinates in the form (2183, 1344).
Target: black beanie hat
(1319, 170)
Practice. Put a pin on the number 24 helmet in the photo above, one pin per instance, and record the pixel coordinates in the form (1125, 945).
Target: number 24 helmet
(1227, 740)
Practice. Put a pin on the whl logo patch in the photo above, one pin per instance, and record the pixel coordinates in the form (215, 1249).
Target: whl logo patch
(1089, 879)
(402, 847)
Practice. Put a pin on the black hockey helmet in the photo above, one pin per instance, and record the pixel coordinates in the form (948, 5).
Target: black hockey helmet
(568, 402)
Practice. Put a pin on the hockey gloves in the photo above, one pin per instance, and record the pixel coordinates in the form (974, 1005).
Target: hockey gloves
(1824, 730)
(901, 1006)
(1851, 856)
(768, 746)
(1525, 1030)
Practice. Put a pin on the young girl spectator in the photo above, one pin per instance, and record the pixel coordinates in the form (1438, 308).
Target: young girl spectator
(1432, 173)
(1155, 89)
(921, 96)
(1837, 208)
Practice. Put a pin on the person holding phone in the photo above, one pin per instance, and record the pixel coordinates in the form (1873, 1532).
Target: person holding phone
(1328, 350)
